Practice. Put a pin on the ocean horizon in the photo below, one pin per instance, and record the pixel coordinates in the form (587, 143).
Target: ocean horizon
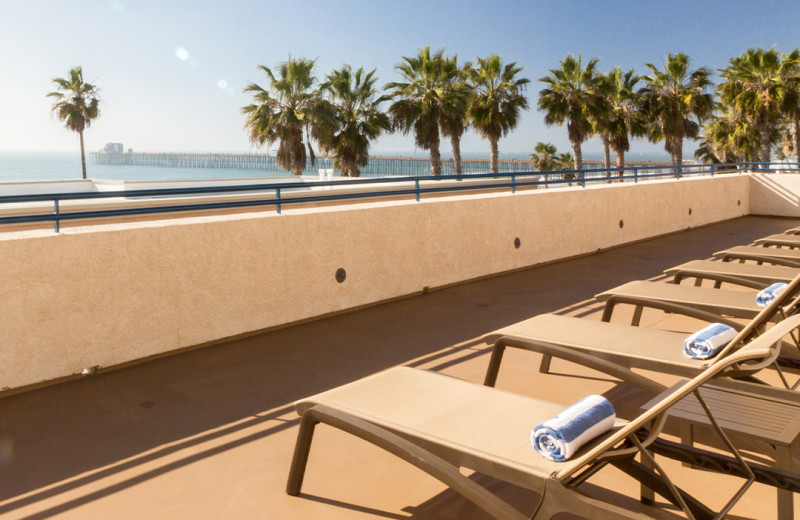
(50, 166)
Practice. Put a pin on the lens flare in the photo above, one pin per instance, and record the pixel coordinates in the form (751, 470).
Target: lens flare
(181, 53)
(222, 84)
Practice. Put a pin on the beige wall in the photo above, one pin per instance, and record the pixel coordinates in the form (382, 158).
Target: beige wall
(775, 194)
(111, 294)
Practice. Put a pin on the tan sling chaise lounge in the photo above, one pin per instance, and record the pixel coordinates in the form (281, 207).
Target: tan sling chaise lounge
(441, 424)
(761, 254)
(654, 294)
(732, 272)
(616, 348)
(779, 240)
(702, 302)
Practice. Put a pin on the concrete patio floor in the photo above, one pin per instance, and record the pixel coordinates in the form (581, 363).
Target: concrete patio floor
(209, 433)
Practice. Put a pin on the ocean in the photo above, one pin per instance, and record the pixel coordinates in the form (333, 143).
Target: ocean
(45, 166)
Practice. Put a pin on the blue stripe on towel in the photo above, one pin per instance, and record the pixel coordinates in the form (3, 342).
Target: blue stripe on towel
(763, 298)
(560, 437)
(707, 342)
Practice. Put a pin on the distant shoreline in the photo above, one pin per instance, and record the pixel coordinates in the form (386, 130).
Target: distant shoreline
(32, 166)
(446, 154)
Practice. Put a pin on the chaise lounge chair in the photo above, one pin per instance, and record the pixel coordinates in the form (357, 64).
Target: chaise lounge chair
(701, 302)
(779, 240)
(732, 272)
(615, 348)
(441, 424)
(761, 254)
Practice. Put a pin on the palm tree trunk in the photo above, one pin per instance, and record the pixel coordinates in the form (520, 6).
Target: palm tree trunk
(606, 154)
(455, 142)
(677, 154)
(436, 158)
(83, 155)
(766, 146)
(620, 153)
(493, 150)
(577, 155)
(298, 152)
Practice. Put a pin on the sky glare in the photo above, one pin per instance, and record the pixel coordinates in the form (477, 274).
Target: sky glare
(172, 73)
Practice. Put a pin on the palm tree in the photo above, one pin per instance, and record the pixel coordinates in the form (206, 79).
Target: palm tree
(544, 157)
(351, 119)
(281, 112)
(573, 95)
(624, 118)
(675, 102)
(77, 104)
(728, 138)
(754, 85)
(497, 102)
(565, 162)
(705, 153)
(418, 104)
(600, 120)
(791, 99)
(456, 97)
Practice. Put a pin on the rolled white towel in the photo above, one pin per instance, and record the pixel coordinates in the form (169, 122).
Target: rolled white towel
(764, 297)
(560, 437)
(707, 342)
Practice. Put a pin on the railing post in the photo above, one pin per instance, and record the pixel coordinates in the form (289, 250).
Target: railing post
(712, 170)
(278, 197)
(57, 222)
(583, 179)
(416, 189)
(513, 184)
(635, 175)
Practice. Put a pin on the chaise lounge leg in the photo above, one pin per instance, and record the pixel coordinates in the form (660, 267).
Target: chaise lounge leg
(785, 497)
(300, 457)
(637, 316)
(544, 365)
(494, 364)
(608, 310)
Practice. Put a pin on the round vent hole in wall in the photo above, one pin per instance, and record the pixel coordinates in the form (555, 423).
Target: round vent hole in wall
(517, 243)
(341, 274)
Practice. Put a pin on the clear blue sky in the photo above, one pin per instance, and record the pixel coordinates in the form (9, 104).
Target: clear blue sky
(171, 72)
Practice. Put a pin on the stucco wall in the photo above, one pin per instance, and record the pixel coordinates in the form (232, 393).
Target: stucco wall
(775, 194)
(111, 294)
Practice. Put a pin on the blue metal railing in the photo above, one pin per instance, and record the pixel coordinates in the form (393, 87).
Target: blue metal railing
(274, 194)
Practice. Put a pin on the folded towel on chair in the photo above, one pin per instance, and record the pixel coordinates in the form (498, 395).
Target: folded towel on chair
(707, 342)
(770, 293)
(560, 437)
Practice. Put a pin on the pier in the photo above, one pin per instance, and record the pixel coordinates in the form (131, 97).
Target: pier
(377, 166)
